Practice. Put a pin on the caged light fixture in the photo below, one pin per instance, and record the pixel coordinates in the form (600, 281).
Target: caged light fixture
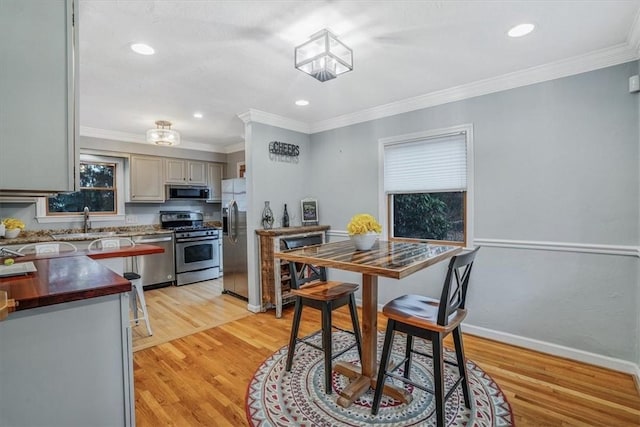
(163, 134)
(324, 56)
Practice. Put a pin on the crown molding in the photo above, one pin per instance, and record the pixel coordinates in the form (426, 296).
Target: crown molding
(633, 39)
(614, 55)
(234, 148)
(138, 139)
(274, 120)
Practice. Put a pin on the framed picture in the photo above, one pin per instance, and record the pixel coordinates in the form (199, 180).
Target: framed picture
(241, 169)
(309, 211)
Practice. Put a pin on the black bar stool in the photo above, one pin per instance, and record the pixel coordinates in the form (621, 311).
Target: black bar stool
(432, 320)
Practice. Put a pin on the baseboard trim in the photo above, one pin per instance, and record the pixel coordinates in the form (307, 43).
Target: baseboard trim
(550, 348)
(556, 350)
(254, 308)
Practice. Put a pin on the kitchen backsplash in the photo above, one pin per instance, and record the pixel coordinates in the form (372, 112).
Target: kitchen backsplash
(136, 214)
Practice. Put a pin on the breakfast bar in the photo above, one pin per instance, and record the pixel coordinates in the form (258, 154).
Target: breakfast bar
(65, 348)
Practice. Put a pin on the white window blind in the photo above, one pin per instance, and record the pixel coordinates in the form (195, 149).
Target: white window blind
(433, 164)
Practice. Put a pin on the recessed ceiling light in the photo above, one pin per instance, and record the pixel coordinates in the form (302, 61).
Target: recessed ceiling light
(197, 115)
(302, 102)
(521, 30)
(142, 49)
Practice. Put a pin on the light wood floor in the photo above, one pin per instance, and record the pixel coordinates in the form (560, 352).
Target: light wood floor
(178, 311)
(201, 379)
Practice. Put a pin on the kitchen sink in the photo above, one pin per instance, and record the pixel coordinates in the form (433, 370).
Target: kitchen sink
(83, 236)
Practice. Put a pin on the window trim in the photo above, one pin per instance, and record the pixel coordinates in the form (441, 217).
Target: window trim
(384, 208)
(43, 217)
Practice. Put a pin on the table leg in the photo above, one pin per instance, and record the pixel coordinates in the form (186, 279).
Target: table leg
(364, 378)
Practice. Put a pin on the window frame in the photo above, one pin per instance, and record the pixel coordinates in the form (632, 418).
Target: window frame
(43, 216)
(384, 200)
(114, 188)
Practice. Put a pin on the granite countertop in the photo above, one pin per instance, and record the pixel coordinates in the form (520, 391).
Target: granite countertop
(38, 236)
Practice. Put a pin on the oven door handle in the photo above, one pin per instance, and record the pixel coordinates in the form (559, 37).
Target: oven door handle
(162, 239)
(196, 239)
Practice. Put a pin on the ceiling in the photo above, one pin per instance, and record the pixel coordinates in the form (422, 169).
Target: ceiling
(222, 58)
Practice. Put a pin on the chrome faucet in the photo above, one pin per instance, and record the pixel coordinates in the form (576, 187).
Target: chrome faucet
(87, 223)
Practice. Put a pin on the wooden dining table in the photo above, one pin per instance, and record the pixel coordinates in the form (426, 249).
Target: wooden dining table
(393, 259)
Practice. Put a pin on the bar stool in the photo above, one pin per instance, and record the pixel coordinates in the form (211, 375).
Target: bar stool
(47, 248)
(432, 320)
(310, 286)
(137, 303)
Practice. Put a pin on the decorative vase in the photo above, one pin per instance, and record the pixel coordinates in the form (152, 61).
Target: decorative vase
(364, 242)
(267, 216)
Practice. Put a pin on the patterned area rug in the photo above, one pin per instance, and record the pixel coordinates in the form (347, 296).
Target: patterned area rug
(297, 398)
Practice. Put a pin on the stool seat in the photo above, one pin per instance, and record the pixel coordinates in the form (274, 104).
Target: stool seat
(421, 312)
(325, 290)
(131, 276)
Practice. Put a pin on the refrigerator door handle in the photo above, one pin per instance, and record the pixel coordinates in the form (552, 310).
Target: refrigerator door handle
(233, 223)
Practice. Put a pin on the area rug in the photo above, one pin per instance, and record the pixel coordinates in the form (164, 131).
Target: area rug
(297, 398)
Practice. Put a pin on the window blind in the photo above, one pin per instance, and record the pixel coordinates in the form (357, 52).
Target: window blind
(433, 164)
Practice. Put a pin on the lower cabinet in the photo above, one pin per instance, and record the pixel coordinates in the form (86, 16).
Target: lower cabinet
(68, 364)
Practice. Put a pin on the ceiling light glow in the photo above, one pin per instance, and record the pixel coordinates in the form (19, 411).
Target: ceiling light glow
(142, 49)
(197, 115)
(302, 102)
(521, 30)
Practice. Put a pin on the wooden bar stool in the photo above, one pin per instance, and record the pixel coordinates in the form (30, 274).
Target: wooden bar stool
(310, 286)
(432, 320)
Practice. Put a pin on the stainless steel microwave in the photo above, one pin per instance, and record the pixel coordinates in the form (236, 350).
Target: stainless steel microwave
(182, 192)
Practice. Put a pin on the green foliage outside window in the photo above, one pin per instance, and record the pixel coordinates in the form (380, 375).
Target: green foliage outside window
(97, 191)
(432, 216)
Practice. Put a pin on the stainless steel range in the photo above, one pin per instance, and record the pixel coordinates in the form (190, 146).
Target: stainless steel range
(197, 247)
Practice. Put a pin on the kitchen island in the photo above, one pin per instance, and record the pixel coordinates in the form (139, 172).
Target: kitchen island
(65, 352)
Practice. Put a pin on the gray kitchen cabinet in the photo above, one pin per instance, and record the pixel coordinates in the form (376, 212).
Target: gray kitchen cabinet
(38, 96)
(188, 172)
(146, 179)
(68, 364)
(214, 182)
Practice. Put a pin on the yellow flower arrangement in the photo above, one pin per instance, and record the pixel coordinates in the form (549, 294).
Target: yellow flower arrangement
(362, 224)
(11, 223)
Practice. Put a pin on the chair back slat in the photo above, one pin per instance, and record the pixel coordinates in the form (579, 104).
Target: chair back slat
(305, 273)
(454, 290)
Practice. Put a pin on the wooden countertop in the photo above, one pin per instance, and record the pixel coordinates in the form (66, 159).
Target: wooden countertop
(291, 230)
(69, 276)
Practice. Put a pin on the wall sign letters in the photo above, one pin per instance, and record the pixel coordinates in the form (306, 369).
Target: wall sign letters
(283, 151)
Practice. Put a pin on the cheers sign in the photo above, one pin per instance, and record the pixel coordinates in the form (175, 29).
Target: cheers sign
(284, 149)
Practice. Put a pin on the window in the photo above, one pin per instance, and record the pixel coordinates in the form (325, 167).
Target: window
(97, 191)
(427, 186)
(101, 190)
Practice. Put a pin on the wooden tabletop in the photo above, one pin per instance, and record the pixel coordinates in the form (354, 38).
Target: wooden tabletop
(69, 276)
(387, 259)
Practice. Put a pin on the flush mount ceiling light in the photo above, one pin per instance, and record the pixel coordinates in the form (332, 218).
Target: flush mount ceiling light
(302, 102)
(142, 49)
(521, 30)
(197, 115)
(324, 56)
(163, 134)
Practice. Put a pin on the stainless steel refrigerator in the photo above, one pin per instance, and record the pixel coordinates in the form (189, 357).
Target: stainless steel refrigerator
(234, 229)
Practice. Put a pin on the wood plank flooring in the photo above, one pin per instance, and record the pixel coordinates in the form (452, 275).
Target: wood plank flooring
(178, 311)
(201, 379)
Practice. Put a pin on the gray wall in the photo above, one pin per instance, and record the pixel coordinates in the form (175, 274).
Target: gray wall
(554, 162)
(274, 180)
(231, 168)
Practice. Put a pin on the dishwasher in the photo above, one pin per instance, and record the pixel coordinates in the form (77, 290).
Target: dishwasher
(156, 270)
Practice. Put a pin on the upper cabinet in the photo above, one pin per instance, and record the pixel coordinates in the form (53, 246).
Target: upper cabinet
(38, 97)
(214, 181)
(188, 172)
(146, 179)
